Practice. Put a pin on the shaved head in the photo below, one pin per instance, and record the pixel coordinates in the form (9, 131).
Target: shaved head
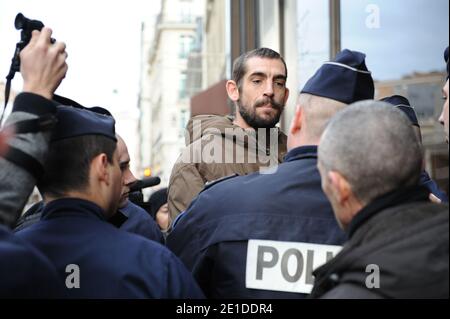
(372, 145)
(318, 111)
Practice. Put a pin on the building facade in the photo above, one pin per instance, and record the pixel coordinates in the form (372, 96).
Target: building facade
(169, 54)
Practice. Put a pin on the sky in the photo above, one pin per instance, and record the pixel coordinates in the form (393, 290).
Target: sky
(103, 39)
(416, 41)
(103, 44)
(409, 35)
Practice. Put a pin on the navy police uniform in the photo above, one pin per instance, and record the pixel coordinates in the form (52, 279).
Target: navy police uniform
(130, 218)
(211, 236)
(140, 222)
(346, 79)
(25, 272)
(112, 263)
(432, 186)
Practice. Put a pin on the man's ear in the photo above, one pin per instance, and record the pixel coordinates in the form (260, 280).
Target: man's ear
(340, 186)
(296, 123)
(286, 97)
(232, 90)
(99, 167)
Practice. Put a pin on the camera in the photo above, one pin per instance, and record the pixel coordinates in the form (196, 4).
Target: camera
(136, 195)
(27, 26)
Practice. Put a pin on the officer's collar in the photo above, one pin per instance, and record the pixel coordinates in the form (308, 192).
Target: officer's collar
(424, 177)
(309, 151)
(392, 199)
(71, 207)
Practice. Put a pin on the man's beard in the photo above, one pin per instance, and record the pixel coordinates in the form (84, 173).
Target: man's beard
(124, 197)
(251, 118)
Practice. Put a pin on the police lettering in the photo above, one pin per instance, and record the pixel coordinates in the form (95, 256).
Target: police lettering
(285, 266)
(292, 253)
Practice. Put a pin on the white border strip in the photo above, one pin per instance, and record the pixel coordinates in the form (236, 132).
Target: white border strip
(348, 67)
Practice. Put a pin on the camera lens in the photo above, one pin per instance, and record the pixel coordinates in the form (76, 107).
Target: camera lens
(19, 21)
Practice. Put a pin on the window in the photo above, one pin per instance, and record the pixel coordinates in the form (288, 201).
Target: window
(313, 43)
(186, 46)
(404, 41)
(182, 93)
(184, 119)
(185, 11)
(268, 24)
(306, 45)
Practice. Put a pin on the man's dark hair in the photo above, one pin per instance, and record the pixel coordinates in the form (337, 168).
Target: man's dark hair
(240, 64)
(68, 163)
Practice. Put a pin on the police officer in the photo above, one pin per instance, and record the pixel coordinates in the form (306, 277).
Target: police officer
(260, 236)
(24, 271)
(129, 217)
(403, 105)
(82, 185)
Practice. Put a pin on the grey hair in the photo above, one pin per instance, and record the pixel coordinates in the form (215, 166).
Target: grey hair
(374, 147)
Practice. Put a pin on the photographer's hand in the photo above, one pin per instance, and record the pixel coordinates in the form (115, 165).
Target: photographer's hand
(5, 135)
(43, 64)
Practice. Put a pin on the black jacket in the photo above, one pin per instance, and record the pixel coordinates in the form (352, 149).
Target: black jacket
(402, 234)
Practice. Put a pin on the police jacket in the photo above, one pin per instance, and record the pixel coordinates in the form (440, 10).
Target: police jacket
(397, 248)
(136, 220)
(130, 218)
(97, 260)
(24, 271)
(433, 188)
(222, 237)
